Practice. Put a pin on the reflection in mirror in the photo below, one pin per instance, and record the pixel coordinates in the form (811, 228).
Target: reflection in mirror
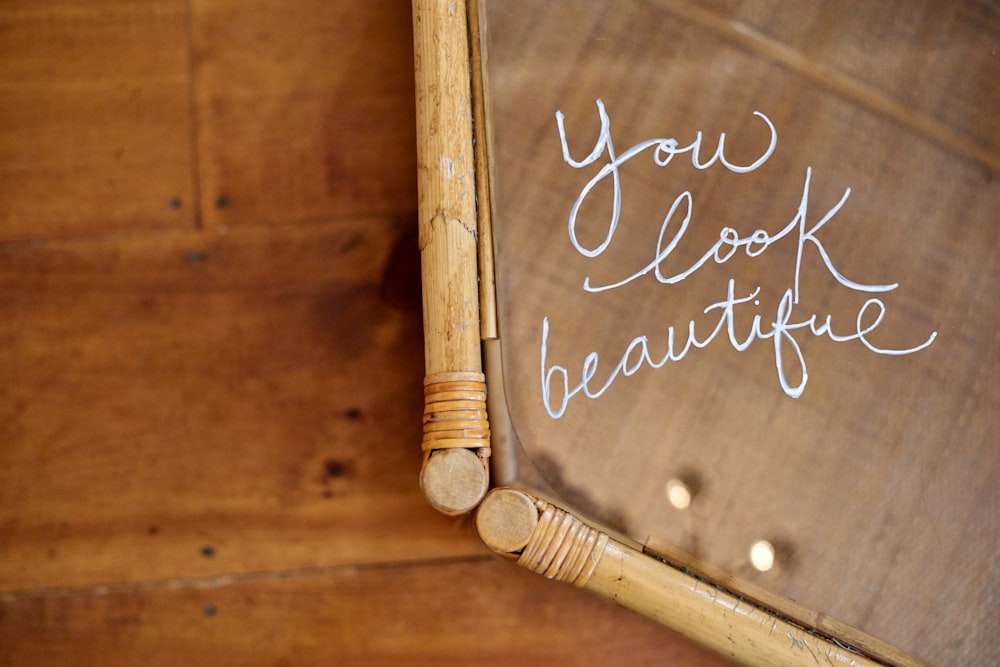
(746, 267)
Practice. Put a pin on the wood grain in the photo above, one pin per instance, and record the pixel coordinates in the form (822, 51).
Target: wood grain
(304, 110)
(209, 440)
(483, 611)
(171, 394)
(94, 125)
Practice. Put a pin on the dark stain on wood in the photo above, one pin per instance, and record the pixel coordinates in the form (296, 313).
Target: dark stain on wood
(401, 280)
(335, 468)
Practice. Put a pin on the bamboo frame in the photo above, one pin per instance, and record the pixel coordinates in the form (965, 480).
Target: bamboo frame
(456, 257)
(455, 472)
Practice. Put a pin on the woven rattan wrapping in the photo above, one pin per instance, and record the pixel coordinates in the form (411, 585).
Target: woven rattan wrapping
(562, 547)
(455, 412)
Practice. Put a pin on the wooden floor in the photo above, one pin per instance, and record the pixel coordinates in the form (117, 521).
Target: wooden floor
(211, 355)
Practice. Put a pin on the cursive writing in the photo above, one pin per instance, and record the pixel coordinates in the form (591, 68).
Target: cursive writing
(557, 389)
(677, 345)
(664, 151)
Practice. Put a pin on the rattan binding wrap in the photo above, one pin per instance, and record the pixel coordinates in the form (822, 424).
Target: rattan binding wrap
(455, 413)
(562, 547)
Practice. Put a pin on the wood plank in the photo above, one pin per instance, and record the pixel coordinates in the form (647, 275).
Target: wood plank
(305, 110)
(200, 403)
(94, 124)
(483, 612)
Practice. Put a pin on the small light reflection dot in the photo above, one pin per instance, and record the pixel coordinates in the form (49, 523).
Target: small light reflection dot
(679, 494)
(762, 555)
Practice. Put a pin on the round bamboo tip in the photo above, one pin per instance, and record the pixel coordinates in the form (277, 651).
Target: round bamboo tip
(454, 481)
(506, 520)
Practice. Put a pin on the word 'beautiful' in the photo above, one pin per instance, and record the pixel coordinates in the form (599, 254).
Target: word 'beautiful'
(678, 343)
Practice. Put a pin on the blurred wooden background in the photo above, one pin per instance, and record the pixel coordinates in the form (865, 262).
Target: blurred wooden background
(211, 355)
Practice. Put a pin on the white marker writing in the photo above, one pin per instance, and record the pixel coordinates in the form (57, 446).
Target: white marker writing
(788, 355)
(786, 348)
(664, 152)
(730, 242)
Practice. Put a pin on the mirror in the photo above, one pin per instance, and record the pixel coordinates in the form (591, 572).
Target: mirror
(746, 275)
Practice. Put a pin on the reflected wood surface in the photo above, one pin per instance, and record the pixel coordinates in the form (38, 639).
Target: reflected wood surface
(211, 355)
(878, 481)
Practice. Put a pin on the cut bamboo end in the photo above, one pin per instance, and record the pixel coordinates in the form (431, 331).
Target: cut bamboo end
(506, 520)
(551, 542)
(454, 481)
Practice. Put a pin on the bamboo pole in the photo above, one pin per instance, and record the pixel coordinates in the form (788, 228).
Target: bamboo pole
(454, 475)
(556, 544)
(481, 125)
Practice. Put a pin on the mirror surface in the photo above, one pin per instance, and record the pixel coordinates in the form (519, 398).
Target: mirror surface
(746, 272)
